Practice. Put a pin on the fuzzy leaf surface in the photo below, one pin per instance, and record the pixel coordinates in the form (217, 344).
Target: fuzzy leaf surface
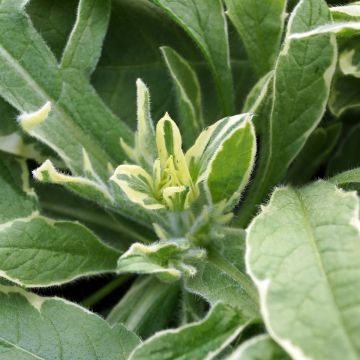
(302, 253)
(201, 340)
(51, 328)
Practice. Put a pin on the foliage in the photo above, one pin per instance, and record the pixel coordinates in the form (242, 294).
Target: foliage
(171, 151)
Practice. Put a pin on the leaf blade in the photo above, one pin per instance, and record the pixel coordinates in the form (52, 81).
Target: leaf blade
(301, 230)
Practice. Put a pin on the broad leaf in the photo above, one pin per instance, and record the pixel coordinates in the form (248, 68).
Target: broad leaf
(303, 71)
(302, 253)
(230, 168)
(260, 25)
(83, 48)
(68, 129)
(38, 251)
(202, 340)
(147, 307)
(35, 251)
(51, 328)
(118, 232)
(259, 347)
(205, 22)
(188, 94)
(209, 142)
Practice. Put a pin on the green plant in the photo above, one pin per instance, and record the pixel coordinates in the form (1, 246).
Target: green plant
(173, 210)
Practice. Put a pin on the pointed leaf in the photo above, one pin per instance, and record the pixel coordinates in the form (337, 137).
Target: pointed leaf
(205, 22)
(136, 183)
(188, 93)
(30, 77)
(51, 328)
(83, 186)
(209, 141)
(260, 25)
(145, 133)
(230, 168)
(304, 72)
(302, 253)
(154, 259)
(201, 340)
(83, 48)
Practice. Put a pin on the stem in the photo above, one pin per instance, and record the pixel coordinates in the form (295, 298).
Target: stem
(104, 291)
(235, 273)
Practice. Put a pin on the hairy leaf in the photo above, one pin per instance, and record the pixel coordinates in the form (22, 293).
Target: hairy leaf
(51, 328)
(303, 72)
(205, 22)
(260, 25)
(202, 340)
(30, 77)
(302, 253)
(188, 93)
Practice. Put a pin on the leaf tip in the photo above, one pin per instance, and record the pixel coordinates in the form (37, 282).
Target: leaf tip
(29, 120)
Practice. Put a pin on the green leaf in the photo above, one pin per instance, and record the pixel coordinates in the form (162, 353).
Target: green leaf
(188, 94)
(146, 139)
(346, 156)
(147, 307)
(51, 328)
(54, 20)
(230, 167)
(83, 186)
(302, 253)
(153, 259)
(205, 22)
(131, 52)
(38, 251)
(118, 232)
(204, 339)
(345, 28)
(316, 152)
(222, 277)
(260, 25)
(30, 77)
(135, 183)
(344, 95)
(346, 12)
(209, 141)
(257, 94)
(83, 48)
(347, 177)
(17, 198)
(303, 71)
(259, 347)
